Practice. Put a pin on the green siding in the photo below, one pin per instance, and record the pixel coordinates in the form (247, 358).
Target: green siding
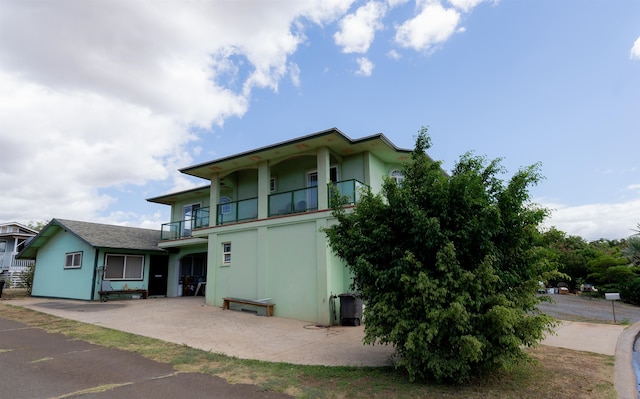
(287, 259)
(353, 168)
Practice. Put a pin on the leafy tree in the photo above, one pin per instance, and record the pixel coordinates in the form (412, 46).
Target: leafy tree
(632, 250)
(447, 265)
(37, 226)
(608, 270)
(568, 253)
(630, 291)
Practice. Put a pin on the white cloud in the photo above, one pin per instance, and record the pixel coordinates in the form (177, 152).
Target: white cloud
(432, 26)
(465, 5)
(294, 73)
(97, 95)
(365, 67)
(635, 50)
(594, 221)
(357, 30)
(394, 55)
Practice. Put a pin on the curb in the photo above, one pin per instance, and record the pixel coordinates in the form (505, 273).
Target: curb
(624, 372)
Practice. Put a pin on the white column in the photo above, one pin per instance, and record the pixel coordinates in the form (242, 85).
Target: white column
(214, 198)
(264, 185)
(323, 177)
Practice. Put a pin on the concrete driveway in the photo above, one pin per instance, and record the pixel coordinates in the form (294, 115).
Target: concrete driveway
(188, 321)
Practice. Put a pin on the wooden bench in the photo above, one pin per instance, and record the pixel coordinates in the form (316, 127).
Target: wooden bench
(104, 295)
(267, 306)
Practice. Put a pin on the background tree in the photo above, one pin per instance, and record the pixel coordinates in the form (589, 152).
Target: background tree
(632, 250)
(39, 225)
(447, 265)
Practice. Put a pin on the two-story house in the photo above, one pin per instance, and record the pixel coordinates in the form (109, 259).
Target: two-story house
(12, 239)
(254, 230)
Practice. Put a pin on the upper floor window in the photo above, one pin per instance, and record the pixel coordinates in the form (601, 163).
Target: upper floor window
(333, 174)
(3, 245)
(73, 260)
(188, 211)
(124, 267)
(226, 206)
(397, 176)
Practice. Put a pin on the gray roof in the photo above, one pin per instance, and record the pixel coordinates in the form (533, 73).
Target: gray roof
(97, 235)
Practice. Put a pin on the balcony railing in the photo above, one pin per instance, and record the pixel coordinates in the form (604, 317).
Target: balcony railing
(237, 211)
(286, 203)
(201, 218)
(183, 228)
(295, 201)
(351, 189)
(9, 262)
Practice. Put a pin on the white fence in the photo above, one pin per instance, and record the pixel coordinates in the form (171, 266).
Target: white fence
(13, 275)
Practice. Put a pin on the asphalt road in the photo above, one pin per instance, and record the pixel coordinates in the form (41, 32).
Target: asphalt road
(587, 309)
(35, 364)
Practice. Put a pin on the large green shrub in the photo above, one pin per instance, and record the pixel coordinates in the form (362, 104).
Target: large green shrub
(447, 265)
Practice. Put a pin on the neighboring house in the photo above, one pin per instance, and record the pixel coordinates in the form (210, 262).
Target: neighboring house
(12, 239)
(255, 231)
(72, 259)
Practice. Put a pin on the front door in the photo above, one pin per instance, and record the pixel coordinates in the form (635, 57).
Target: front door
(158, 271)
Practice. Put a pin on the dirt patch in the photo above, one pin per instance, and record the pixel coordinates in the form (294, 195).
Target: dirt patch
(575, 371)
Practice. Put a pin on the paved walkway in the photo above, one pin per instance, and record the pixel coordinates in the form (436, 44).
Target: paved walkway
(190, 322)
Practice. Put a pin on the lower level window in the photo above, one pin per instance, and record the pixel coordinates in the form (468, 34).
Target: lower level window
(226, 253)
(124, 267)
(73, 260)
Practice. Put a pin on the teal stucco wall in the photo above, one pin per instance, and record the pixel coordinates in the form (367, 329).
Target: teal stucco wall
(51, 279)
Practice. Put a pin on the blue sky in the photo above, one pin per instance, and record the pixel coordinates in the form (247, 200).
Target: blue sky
(102, 102)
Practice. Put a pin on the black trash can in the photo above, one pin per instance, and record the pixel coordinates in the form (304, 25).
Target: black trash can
(350, 309)
(1, 287)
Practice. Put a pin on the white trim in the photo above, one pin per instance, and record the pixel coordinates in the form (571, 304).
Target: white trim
(226, 253)
(73, 260)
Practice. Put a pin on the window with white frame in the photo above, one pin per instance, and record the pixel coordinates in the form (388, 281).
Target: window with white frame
(397, 176)
(73, 260)
(272, 185)
(124, 267)
(225, 209)
(226, 253)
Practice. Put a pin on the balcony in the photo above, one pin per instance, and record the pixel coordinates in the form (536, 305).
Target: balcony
(237, 211)
(295, 201)
(351, 189)
(183, 228)
(280, 204)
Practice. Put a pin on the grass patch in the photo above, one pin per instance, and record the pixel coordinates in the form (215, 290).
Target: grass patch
(549, 372)
(14, 293)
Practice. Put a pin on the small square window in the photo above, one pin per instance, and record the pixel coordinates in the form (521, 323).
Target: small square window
(73, 260)
(226, 253)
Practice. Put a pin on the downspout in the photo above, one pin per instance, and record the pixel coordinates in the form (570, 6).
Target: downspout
(95, 274)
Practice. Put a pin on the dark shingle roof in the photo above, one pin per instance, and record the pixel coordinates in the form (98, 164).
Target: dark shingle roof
(97, 235)
(111, 236)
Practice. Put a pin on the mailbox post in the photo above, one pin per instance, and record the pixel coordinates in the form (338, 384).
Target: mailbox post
(613, 296)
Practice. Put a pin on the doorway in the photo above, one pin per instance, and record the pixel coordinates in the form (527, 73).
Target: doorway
(158, 271)
(193, 274)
